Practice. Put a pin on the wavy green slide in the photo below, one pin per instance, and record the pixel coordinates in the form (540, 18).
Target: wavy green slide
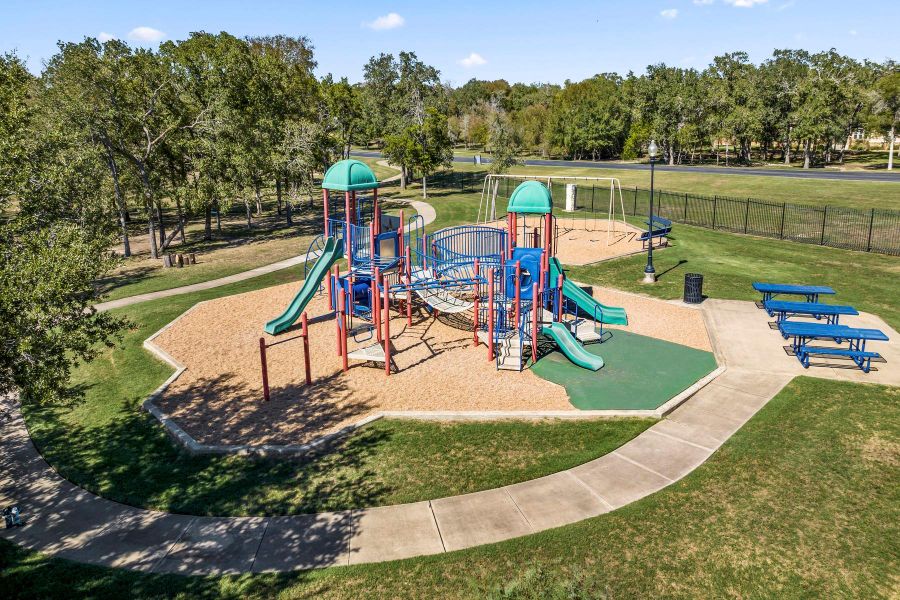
(333, 251)
(571, 347)
(611, 315)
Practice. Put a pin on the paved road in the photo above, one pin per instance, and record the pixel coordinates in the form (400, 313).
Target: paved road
(795, 173)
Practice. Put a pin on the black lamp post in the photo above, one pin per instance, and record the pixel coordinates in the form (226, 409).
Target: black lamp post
(649, 271)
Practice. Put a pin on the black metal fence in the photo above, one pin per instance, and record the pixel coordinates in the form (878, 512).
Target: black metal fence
(873, 230)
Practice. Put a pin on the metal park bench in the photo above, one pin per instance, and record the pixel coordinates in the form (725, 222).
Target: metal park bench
(810, 292)
(659, 229)
(804, 333)
(781, 310)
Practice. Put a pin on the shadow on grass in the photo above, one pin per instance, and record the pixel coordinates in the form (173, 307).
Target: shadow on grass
(131, 460)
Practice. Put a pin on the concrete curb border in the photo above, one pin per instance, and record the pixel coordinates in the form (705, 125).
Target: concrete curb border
(193, 447)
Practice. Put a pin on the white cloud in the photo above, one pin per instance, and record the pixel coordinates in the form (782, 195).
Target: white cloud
(389, 21)
(146, 34)
(669, 13)
(702, 2)
(473, 60)
(852, 32)
(745, 3)
(105, 37)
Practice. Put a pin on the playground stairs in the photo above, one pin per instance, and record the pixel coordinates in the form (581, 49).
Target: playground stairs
(509, 352)
(371, 353)
(585, 331)
(510, 355)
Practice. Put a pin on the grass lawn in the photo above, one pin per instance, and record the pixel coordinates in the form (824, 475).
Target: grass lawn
(852, 194)
(623, 383)
(106, 445)
(803, 502)
(730, 263)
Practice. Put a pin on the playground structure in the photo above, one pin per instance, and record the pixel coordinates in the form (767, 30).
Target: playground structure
(503, 282)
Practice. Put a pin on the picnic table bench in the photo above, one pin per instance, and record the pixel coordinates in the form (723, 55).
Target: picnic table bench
(811, 292)
(658, 228)
(804, 333)
(781, 310)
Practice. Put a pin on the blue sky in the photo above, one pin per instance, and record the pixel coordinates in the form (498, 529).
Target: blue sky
(519, 41)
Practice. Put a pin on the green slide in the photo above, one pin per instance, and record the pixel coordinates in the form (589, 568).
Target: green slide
(611, 315)
(332, 253)
(569, 346)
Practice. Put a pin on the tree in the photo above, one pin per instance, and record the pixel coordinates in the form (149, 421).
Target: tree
(504, 150)
(589, 118)
(886, 109)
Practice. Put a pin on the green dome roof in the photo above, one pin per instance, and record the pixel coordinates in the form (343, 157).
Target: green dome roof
(532, 198)
(349, 175)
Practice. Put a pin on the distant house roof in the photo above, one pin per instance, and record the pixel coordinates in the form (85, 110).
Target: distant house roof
(531, 197)
(349, 175)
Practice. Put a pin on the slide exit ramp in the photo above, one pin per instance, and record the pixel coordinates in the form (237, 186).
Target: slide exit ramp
(569, 346)
(610, 315)
(331, 253)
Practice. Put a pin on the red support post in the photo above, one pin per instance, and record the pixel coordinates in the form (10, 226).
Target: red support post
(348, 237)
(304, 327)
(387, 331)
(409, 289)
(265, 369)
(559, 306)
(400, 233)
(376, 212)
(372, 245)
(325, 202)
(490, 323)
(342, 305)
(338, 294)
(534, 322)
(376, 303)
(518, 292)
(477, 299)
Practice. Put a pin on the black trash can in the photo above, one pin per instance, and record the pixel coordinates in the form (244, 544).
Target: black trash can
(693, 288)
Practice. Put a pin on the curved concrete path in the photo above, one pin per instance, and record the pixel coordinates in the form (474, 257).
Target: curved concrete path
(67, 521)
(423, 208)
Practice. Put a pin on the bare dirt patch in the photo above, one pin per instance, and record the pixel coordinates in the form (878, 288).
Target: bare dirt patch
(585, 241)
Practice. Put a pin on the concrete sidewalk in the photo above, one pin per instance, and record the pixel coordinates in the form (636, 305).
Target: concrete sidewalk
(67, 521)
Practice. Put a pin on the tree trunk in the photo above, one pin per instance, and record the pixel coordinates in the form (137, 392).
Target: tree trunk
(402, 177)
(891, 148)
(424, 187)
(249, 214)
(787, 148)
(258, 196)
(278, 193)
(218, 216)
(162, 226)
(287, 211)
(149, 204)
(120, 201)
(806, 153)
(207, 225)
(181, 219)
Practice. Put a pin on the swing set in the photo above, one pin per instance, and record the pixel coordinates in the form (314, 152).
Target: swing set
(487, 206)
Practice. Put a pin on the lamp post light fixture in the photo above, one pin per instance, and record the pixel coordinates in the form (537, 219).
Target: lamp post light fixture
(649, 271)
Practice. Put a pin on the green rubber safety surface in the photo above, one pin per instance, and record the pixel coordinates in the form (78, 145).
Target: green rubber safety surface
(640, 372)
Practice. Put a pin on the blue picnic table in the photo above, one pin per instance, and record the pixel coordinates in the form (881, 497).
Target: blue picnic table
(811, 292)
(781, 310)
(804, 333)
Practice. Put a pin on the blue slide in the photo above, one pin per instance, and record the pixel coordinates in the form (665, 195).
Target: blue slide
(333, 251)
